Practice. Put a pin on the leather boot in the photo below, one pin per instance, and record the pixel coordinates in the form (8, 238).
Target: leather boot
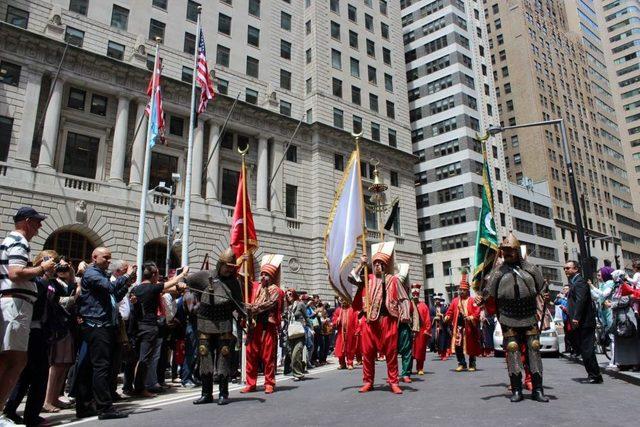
(538, 390)
(516, 388)
(207, 390)
(223, 386)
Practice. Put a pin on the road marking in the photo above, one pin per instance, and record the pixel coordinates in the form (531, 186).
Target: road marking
(190, 395)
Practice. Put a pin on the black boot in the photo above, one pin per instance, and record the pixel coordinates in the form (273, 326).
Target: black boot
(223, 386)
(538, 390)
(516, 388)
(207, 390)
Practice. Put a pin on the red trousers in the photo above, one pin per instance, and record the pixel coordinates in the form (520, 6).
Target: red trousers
(261, 347)
(380, 336)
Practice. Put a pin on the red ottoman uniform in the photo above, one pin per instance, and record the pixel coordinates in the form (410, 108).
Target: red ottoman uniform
(345, 320)
(421, 340)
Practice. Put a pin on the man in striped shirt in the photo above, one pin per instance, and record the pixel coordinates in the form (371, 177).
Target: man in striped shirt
(17, 295)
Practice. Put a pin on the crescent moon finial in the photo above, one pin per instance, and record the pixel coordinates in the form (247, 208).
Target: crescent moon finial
(245, 151)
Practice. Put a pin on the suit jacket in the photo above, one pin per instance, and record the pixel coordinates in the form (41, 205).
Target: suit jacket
(580, 306)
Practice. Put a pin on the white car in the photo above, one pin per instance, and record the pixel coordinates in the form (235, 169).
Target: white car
(549, 342)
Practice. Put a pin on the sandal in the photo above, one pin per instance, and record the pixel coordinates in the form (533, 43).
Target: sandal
(63, 405)
(50, 409)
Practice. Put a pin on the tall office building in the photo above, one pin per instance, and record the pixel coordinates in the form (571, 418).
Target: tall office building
(451, 95)
(548, 65)
(72, 126)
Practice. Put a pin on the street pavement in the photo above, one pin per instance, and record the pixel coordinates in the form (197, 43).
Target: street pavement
(442, 397)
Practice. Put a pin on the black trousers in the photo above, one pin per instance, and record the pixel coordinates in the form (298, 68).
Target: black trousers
(584, 342)
(461, 360)
(95, 380)
(33, 380)
(147, 340)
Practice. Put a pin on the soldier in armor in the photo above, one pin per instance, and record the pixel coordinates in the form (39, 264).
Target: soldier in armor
(512, 291)
(220, 295)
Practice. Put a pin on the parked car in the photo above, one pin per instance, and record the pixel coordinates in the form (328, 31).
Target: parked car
(549, 342)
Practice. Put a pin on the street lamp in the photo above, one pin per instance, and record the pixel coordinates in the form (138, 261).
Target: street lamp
(162, 188)
(584, 252)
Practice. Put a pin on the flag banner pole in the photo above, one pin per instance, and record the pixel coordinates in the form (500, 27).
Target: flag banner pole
(245, 266)
(147, 168)
(221, 133)
(284, 156)
(186, 220)
(367, 303)
(53, 84)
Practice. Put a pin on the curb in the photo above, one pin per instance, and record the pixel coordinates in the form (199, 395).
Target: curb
(620, 375)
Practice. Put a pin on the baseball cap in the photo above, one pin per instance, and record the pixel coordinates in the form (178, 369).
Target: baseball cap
(27, 212)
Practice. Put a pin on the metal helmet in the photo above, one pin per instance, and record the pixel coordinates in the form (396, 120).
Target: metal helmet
(510, 242)
(227, 256)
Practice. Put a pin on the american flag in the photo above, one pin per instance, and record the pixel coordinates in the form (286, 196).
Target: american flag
(203, 78)
(154, 107)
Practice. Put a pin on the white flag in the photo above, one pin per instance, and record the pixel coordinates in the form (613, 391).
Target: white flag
(345, 227)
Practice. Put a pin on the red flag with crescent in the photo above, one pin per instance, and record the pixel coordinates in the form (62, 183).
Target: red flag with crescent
(238, 244)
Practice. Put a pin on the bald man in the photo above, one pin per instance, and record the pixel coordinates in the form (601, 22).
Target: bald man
(97, 306)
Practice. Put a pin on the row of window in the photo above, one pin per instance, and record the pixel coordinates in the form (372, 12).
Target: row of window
(338, 122)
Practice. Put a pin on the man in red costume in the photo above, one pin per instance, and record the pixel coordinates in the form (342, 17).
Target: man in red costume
(420, 314)
(464, 314)
(265, 308)
(385, 303)
(345, 321)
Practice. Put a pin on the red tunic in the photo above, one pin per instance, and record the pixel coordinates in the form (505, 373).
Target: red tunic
(470, 339)
(421, 339)
(345, 322)
(628, 290)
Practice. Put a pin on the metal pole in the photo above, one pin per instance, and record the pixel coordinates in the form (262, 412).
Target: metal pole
(169, 233)
(286, 148)
(186, 221)
(221, 133)
(53, 84)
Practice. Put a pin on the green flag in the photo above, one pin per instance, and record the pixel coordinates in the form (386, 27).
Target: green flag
(487, 237)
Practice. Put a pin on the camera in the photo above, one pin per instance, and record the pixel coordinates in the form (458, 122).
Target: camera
(62, 268)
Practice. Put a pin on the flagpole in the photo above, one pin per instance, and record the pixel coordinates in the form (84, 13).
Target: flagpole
(221, 134)
(147, 169)
(186, 220)
(243, 375)
(367, 303)
(284, 156)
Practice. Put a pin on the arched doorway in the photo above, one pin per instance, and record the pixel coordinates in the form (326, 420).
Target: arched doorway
(75, 246)
(156, 251)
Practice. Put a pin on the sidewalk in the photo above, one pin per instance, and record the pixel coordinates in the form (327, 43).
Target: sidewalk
(628, 376)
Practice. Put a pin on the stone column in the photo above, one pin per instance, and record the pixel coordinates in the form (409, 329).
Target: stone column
(137, 153)
(262, 178)
(276, 190)
(198, 154)
(51, 128)
(214, 164)
(119, 149)
(29, 116)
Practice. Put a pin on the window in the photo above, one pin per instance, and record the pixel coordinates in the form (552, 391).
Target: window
(254, 8)
(352, 13)
(384, 29)
(79, 6)
(161, 4)
(357, 124)
(355, 95)
(230, 180)
(355, 67)
(292, 154)
(393, 178)
(375, 132)
(391, 110)
(291, 200)
(428, 271)
(6, 127)
(156, 30)
(285, 21)
(76, 99)
(307, 55)
(222, 56)
(73, 36)
(335, 30)
(189, 43)
(285, 108)
(308, 86)
(285, 79)
(9, 73)
(307, 27)
(372, 75)
(176, 126)
(368, 22)
(337, 87)
(335, 6)
(338, 162)
(192, 10)
(227, 141)
(338, 118)
(388, 82)
(115, 50)
(81, 155)
(336, 59)
(353, 39)
(393, 139)
(151, 59)
(371, 218)
(222, 86)
(309, 115)
(99, 105)
(17, 17)
(224, 24)
(386, 56)
(371, 48)
(373, 102)
(285, 49)
(253, 67)
(383, 7)
(253, 36)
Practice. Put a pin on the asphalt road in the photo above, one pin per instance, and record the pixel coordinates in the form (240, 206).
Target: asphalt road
(441, 397)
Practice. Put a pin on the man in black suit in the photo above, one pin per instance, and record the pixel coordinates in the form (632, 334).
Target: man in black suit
(582, 315)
